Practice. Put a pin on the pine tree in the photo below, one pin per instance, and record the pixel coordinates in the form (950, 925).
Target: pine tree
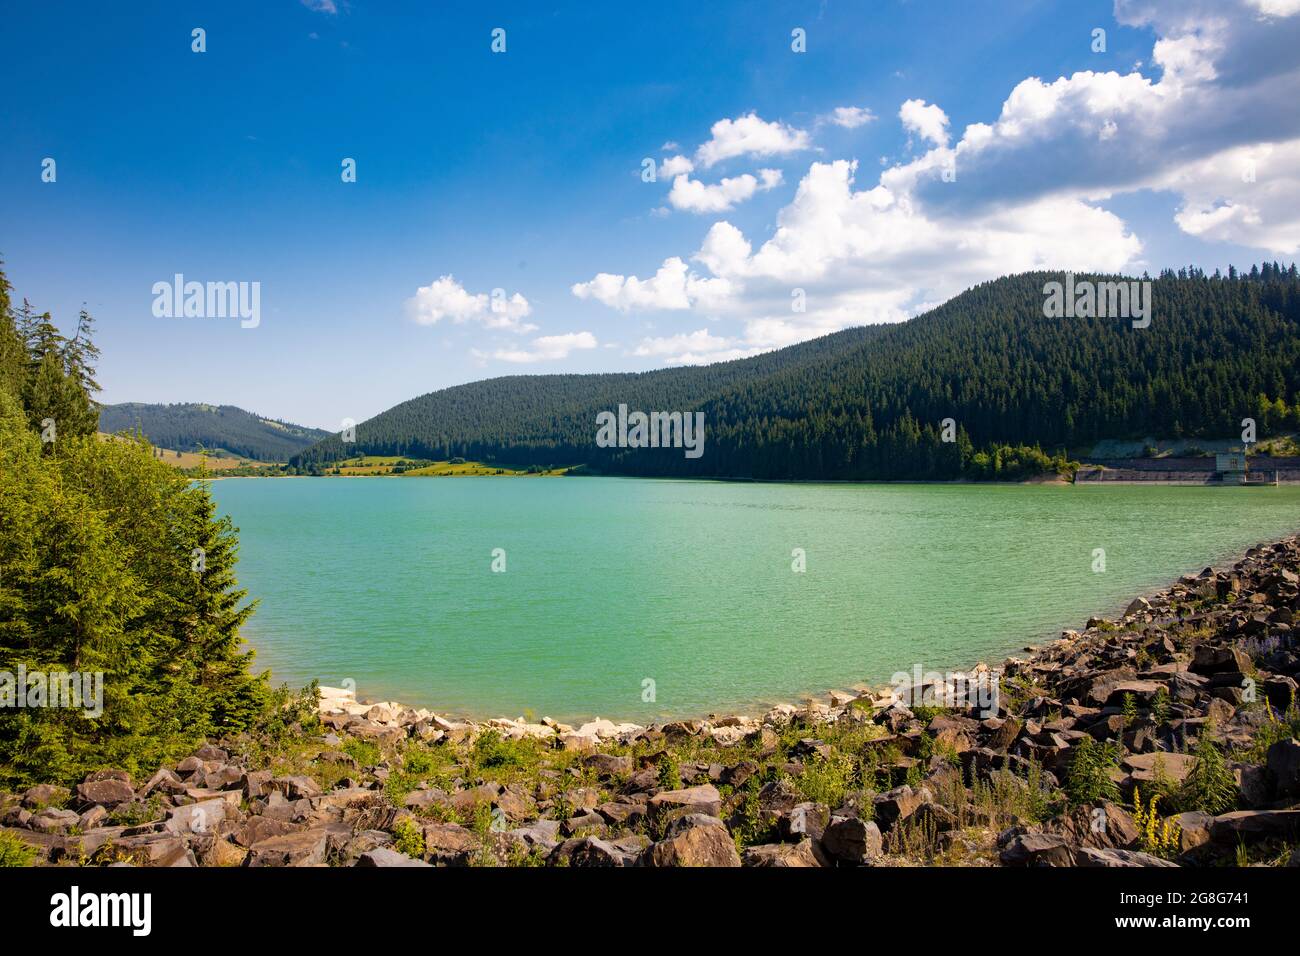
(214, 612)
(81, 355)
(96, 545)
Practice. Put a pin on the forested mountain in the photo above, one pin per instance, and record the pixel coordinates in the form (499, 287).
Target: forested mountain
(188, 425)
(869, 402)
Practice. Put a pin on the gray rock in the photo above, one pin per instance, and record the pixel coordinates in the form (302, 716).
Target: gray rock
(450, 844)
(384, 857)
(702, 799)
(108, 793)
(590, 851)
(852, 840)
(202, 817)
(1037, 849)
(53, 820)
(1088, 856)
(781, 855)
(304, 848)
(45, 795)
(1283, 764)
(694, 843)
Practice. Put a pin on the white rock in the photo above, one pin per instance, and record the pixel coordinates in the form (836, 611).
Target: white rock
(536, 730)
(599, 728)
(728, 735)
(579, 741)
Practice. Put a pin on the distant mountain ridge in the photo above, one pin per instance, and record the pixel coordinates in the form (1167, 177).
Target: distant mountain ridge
(871, 402)
(186, 425)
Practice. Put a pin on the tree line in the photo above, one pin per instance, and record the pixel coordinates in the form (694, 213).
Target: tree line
(1023, 391)
(191, 426)
(112, 563)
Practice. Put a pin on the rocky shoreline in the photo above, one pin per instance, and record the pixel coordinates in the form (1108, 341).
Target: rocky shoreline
(1166, 737)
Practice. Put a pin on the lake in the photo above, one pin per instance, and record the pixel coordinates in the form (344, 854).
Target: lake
(611, 582)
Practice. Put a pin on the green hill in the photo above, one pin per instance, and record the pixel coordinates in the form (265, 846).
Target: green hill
(186, 426)
(868, 403)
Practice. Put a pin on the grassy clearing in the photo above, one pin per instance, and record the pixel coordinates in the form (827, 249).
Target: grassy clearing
(214, 459)
(371, 465)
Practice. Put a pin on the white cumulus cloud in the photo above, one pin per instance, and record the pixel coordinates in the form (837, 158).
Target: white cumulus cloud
(691, 195)
(547, 348)
(675, 166)
(749, 135)
(445, 298)
(673, 287)
(850, 117)
(926, 120)
(1024, 190)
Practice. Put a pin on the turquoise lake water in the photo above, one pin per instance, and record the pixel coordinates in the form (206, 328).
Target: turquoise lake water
(610, 582)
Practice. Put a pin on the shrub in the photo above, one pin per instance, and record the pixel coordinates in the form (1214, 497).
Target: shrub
(408, 838)
(1210, 785)
(670, 773)
(15, 852)
(1088, 779)
(827, 779)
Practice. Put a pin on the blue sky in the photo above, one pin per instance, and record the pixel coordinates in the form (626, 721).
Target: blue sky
(522, 172)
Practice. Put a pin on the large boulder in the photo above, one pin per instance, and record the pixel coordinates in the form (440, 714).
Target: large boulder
(202, 817)
(165, 781)
(898, 804)
(1194, 829)
(106, 793)
(1105, 826)
(541, 833)
(1283, 763)
(693, 840)
(255, 783)
(804, 821)
(1037, 849)
(466, 800)
(303, 848)
(450, 844)
(259, 827)
(607, 765)
(852, 840)
(1145, 768)
(1246, 825)
(45, 795)
(384, 857)
(590, 851)
(296, 787)
(1217, 660)
(54, 820)
(702, 799)
(1088, 856)
(1144, 692)
(799, 854)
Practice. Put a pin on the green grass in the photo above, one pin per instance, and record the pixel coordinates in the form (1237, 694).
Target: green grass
(364, 752)
(398, 465)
